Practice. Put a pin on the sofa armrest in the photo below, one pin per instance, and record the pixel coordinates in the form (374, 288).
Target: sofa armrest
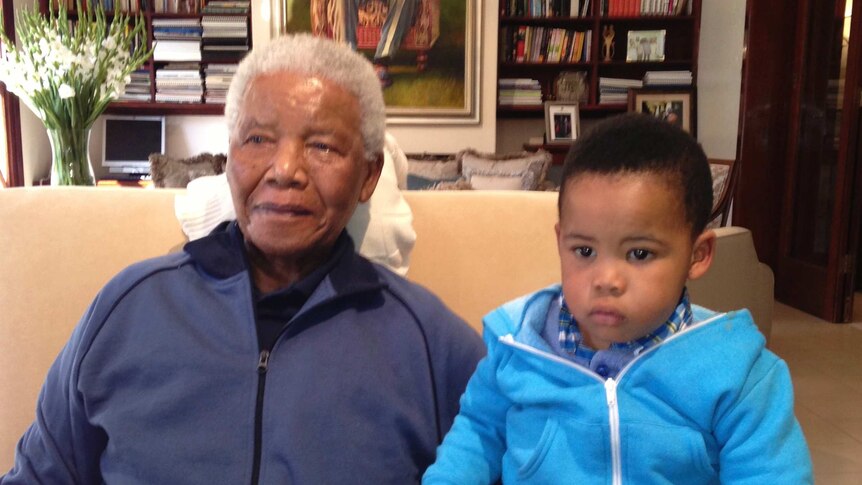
(737, 279)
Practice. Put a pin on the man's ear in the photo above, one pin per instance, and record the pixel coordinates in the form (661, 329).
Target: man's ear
(375, 168)
(701, 254)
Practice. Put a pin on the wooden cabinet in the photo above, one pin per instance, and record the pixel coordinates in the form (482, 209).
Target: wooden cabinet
(682, 33)
(163, 10)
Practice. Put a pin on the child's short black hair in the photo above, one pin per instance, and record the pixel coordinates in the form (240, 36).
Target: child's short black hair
(637, 143)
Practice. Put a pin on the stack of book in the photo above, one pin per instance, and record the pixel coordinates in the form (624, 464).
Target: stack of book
(667, 78)
(225, 38)
(177, 39)
(138, 88)
(519, 92)
(616, 90)
(217, 79)
(179, 83)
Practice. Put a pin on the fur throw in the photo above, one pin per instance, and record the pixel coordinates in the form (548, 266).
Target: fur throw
(177, 173)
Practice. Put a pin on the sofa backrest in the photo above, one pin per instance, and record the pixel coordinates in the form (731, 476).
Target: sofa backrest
(474, 249)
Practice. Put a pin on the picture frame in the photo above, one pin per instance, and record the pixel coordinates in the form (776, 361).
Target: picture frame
(562, 122)
(645, 45)
(673, 105)
(435, 70)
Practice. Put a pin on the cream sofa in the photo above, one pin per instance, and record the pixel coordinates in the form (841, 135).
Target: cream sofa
(475, 250)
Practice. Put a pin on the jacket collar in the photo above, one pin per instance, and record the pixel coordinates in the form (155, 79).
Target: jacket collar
(221, 254)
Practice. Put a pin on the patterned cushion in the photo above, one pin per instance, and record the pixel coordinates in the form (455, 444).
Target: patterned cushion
(515, 171)
(426, 171)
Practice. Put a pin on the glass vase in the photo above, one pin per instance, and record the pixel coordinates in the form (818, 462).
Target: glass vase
(70, 156)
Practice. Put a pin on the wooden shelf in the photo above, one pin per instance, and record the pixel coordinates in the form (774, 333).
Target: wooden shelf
(152, 107)
(681, 52)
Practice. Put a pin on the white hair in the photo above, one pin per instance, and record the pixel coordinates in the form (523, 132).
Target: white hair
(317, 56)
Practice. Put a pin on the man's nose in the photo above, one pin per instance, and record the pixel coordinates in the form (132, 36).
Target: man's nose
(289, 164)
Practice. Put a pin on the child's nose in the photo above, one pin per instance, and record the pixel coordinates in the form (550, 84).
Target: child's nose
(609, 280)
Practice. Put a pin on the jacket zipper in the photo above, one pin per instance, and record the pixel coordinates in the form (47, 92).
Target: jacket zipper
(614, 420)
(610, 390)
(262, 365)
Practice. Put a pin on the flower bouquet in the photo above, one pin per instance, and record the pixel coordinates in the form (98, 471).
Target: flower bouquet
(67, 72)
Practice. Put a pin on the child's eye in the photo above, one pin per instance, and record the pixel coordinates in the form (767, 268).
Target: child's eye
(584, 251)
(640, 254)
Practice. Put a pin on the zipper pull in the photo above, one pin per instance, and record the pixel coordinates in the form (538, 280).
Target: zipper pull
(611, 392)
(263, 363)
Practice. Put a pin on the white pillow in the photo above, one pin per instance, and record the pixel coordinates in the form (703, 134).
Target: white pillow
(382, 228)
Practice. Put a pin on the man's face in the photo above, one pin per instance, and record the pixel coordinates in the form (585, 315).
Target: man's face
(296, 164)
(626, 252)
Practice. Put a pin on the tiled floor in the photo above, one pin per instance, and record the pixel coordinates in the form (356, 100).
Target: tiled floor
(825, 362)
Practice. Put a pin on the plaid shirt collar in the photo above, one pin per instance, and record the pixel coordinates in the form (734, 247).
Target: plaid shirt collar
(571, 339)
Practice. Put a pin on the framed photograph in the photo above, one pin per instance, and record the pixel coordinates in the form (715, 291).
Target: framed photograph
(562, 122)
(645, 46)
(674, 106)
(431, 75)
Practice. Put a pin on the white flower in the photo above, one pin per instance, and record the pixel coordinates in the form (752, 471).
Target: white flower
(65, 91)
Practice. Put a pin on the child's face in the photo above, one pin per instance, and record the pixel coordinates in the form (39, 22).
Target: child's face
(626, 251)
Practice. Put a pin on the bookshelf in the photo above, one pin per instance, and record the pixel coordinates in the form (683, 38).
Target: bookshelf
(519, 18)
(173, 23)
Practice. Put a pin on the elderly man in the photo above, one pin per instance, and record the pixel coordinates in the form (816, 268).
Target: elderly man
(268, 351)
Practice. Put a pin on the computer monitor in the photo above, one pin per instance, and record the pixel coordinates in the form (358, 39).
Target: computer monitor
(128, 142)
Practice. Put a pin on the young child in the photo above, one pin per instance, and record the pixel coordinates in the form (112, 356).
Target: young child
(613, 376)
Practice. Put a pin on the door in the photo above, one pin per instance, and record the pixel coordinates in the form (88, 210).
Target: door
(11, 158)
(799, 143)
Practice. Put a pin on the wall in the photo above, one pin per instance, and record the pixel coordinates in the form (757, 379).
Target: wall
(719, 76)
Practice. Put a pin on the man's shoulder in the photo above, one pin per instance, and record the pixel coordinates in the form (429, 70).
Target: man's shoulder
(428, 310)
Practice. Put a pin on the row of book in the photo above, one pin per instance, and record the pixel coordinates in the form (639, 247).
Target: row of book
(636, 8)
(519, 92)
(125, 6)
(544, 8)
(537, 44)
(226, 7)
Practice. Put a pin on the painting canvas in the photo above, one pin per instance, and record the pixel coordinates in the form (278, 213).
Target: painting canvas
(430, 74)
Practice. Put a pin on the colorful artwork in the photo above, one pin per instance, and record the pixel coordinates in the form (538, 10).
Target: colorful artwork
(425, 51)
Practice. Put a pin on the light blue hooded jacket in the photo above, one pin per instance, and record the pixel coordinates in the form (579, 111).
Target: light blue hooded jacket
(708, 405)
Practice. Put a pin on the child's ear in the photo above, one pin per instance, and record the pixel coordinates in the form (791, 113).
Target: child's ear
(701, 254)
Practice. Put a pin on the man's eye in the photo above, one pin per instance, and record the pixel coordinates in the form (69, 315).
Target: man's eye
(584, 251)
(321, 147)
(640, 254)
(254, 139)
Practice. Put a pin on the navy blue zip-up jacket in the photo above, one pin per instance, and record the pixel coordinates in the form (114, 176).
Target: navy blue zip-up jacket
(162, 380)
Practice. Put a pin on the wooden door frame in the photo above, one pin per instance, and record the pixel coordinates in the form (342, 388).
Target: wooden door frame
(12, 112)
(768, 120)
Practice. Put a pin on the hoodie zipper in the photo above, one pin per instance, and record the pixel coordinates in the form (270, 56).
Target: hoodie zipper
(610, 385)
(262, 366)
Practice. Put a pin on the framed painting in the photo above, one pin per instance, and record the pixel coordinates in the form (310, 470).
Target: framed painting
(426, 52)
(562, 122)
(674, 106)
